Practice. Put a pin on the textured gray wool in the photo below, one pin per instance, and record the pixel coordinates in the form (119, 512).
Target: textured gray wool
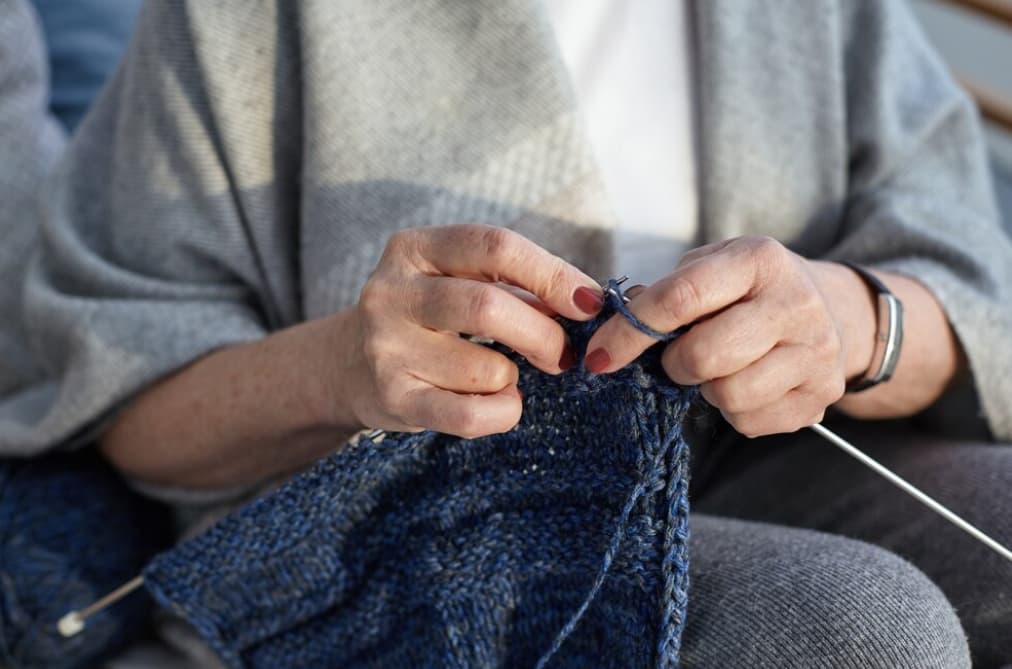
(246, 165)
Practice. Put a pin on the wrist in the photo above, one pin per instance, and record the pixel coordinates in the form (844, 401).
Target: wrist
(329, 357)
(853, 306)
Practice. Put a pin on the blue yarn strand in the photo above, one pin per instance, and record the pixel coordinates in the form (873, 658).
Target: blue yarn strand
(614, 293)
(675, 570)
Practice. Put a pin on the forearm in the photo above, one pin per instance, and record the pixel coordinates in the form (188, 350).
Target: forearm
(241, 414)
(930, 356)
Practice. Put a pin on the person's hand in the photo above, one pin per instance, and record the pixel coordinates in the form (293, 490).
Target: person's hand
(410, 369)
(765, 345)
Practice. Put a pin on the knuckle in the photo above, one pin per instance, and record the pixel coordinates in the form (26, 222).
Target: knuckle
(556, 279)
(500, 373)
(497, 244)
(810, 301)
(400, 241)
(815, 417)
(769, 256)
(374, 300)
(837, 388)
(748, 426)
(767, 248)
(826, 343)
(482, 309)
(729, 396)
(697, 358)
(376, 350)
(468, 422)
(398, 238)
(681, 297)
(831, 389)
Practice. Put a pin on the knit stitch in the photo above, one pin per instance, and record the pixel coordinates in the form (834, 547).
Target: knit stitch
(562, 542)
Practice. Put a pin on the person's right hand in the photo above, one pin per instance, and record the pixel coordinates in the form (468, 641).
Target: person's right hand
(409, 368)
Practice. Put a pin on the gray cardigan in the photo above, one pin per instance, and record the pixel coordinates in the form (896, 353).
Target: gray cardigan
(244, 168)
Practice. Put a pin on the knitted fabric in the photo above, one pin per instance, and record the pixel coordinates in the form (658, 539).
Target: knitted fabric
(562, 542)
(70, 531)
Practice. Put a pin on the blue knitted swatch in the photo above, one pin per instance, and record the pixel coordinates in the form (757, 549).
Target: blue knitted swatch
(561, 543)
(70, 531)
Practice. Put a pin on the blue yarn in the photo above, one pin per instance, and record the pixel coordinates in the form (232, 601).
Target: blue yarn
(562, 541)
(613, 291)
(70, 531)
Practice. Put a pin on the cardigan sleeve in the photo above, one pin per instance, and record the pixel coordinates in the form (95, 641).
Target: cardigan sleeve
(160, 233)
(30, 144)
(920, 200)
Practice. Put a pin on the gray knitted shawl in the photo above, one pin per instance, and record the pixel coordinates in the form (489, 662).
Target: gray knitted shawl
(245, 167)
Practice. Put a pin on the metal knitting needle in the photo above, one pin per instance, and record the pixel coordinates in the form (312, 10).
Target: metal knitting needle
(894, 478)
(619, 281)
(909, 488)
(73, 623)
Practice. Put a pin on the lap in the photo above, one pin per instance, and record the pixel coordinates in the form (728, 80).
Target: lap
(766, 595)
(802, 481)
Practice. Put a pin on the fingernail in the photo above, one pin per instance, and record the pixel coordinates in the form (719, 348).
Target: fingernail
(597, 361)
(588, 300)
(567, 360)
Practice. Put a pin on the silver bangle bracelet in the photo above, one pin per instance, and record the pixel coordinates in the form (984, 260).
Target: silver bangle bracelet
(888, 334)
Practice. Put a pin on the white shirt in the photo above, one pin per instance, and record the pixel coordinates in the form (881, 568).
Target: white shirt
(631, 66)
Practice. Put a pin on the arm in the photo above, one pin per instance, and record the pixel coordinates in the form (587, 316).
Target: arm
(782, 333)
(238, 415)
(931, 355)
(394, 361)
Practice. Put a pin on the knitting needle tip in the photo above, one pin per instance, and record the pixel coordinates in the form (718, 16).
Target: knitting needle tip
(70, 624)
(618, 282)
(73, 623)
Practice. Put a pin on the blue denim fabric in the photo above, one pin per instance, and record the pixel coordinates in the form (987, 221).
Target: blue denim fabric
(85, 40)
(562, 542)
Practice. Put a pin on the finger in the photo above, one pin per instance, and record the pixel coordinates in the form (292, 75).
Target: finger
(702, 251)
(460, 366)
(497, 254)
(723, 345)
(698, 289)
(468, 416)
(530, 298)
(761, 384)
(792, 413)
(483, 309)
(633, 291)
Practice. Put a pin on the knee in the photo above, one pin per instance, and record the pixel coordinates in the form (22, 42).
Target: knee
(795, 598)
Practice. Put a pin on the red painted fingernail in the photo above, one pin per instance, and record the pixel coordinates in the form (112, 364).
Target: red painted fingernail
(588, 300)
(567, 360)
(597, 360)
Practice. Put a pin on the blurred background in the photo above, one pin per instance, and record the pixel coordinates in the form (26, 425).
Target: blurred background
(975, 37)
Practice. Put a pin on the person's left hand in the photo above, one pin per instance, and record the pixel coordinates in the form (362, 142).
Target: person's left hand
(764, 345)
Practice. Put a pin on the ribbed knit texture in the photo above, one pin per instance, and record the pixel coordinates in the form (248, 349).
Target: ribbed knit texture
(560, 543)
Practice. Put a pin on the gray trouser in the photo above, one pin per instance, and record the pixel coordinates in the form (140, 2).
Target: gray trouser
(794, 583)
